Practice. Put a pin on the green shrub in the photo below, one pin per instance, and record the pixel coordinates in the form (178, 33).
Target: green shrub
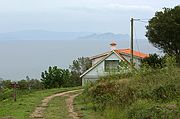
(154, 61)
(6, 84)
(5, 94)
(164, 93)
(150, 110)
(107, 93)
(146, 94)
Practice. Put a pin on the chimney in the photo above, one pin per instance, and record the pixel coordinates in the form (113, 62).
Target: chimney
(113, 46)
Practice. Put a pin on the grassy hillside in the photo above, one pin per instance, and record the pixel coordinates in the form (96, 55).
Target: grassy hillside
(25, 104)
(145, 94)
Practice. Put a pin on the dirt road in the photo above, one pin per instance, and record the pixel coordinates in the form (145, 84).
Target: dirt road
(38, 113)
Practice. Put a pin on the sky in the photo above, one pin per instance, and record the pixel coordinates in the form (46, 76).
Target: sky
(21, 58)
(79, 15)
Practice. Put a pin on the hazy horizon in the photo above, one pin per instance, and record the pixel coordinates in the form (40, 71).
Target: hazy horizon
(21, 58)
(32, 32)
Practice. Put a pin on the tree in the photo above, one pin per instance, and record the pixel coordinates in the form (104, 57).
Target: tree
(30, 84)
(35, 84)
(78, 67)
(23, 84)
(6, 83)
(55, 77)
(154, 61)
(163, 31)
(1, 85)
(81, 65)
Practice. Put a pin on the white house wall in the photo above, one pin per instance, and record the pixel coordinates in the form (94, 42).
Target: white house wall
(135, 60)
(98, 71)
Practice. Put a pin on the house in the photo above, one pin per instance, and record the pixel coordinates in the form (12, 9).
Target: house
(105, 62)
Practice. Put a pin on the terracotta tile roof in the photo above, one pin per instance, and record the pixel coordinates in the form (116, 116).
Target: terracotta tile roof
(121, 56)
(135, 53)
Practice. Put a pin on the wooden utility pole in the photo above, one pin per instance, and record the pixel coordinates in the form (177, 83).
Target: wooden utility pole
(132, 20)
(14, 86)
(14, 92)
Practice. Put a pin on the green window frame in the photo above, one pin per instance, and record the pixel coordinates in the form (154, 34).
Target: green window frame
(111, 65)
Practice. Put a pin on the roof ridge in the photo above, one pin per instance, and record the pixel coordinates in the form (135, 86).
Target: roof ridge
(135, 53)
(124, 51)
(100, 55)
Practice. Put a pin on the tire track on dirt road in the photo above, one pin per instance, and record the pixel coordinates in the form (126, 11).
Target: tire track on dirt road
(38, 112)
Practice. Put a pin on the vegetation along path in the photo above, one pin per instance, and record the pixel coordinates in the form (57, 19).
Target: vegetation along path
(38, 112)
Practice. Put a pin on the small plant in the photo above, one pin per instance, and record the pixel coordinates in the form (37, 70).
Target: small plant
(151, 110)
(164, 93)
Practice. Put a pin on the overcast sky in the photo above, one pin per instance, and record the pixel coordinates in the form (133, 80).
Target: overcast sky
(78, 15)
(21, 58)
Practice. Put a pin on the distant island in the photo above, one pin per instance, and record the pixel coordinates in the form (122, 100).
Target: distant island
(53, 35)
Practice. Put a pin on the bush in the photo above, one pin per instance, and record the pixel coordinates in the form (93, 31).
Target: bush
(5, 94)
(157, 86)
(23, 87)
(23, 84)
(35, 84)
(107, 93)
(31, 84)
(154, 61)
(164, 93)
(145, 109)
(6, 84)
(148, 93)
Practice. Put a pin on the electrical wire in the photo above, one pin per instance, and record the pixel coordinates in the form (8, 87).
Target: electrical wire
(143, 21)
(136, 40)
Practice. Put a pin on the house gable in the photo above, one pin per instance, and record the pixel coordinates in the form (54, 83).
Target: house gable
(99, 69)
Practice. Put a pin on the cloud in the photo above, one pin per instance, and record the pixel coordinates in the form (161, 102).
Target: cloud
(110, 7)
(128, 7)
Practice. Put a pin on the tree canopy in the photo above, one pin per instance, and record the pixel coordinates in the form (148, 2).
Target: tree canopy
(81, 65)
(56, 77)
(154, 61)
(163, 31)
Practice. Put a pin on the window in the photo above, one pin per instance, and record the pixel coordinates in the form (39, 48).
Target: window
(111, 65)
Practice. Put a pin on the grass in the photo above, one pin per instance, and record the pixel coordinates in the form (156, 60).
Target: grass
(156, 96)
(85, 110)
(24, 106)
(57, 109)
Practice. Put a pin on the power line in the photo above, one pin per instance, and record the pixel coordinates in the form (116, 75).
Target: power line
(132, 20)
(143, 21)
(136, 40)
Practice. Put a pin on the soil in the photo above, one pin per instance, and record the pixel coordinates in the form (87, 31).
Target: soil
(38, 112)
